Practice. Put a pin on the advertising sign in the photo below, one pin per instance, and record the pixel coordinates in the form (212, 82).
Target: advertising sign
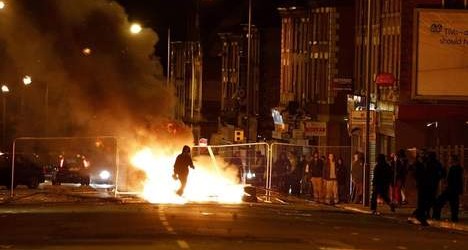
(315, 128)
(441, 54)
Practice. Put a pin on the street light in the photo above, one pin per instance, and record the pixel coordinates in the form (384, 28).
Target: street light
(27, 80)
(2, 5)
(5, 90)
(135, 28)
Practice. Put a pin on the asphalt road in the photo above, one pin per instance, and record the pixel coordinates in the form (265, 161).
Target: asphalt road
(107, 225)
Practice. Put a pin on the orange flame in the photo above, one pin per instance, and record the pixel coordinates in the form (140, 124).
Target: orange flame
(211, 180)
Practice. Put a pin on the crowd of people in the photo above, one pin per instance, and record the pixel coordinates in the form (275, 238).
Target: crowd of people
(324, 178)
(328, 179)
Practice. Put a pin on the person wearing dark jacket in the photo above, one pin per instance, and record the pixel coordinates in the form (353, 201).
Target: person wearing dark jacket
(399, 166)
(280, 170)
(452, 191)
(435, 173)
(357, 171)
(427, 173)
(342, 177)
(381, 183)
(316, 176)
(181, 168)
(421, 177)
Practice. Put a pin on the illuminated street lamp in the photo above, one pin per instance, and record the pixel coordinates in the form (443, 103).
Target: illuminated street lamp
(5, 90)
(27, 80)
(135, 28)
(2, 5)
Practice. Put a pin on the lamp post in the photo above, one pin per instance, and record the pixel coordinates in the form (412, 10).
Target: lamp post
(248, 87)
(46, 108)
(5, 90)
(367, 165)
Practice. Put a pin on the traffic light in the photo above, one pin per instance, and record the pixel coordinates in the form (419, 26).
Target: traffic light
(238, 135)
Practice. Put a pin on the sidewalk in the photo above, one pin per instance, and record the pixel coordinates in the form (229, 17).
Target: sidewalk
(405, 213)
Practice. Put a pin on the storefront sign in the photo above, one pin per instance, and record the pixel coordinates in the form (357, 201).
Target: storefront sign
(358, 117)
(385, 79)
(315, 128)
(343, 84)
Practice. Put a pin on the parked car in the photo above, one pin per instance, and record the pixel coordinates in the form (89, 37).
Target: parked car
(27, 171)
(72, 170)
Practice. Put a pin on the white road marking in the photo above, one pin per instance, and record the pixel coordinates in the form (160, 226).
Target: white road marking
(206, 213)
(183, 244)
(336, 248)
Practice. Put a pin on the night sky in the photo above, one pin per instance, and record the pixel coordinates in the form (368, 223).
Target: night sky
(215, 16)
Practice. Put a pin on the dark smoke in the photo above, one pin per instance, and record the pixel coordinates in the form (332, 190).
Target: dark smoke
(118, 88)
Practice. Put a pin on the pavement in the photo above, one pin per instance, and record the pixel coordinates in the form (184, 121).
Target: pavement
(405, 213)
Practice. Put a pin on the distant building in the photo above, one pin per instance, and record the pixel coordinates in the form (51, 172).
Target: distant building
(239, 95)
(412, 64)
(186, 76)
(317, 53)
(417, 99)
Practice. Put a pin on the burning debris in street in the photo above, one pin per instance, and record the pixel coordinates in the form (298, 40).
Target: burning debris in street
(211, 180)
(90, 71)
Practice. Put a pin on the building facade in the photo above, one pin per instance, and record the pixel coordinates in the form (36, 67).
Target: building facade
(186, 76)
(410, 77)
(316, 73)
(240, 85)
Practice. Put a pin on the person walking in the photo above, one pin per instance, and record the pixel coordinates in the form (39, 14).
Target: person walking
(399, 164)
(306, 186)
(329, 177)
(342, 177)
(294, 175)
(181, 168)
(316, 173)
(381, 183)
(452, 191)
(423, 185)
(280, 170)
(435, 173)
(357, 171)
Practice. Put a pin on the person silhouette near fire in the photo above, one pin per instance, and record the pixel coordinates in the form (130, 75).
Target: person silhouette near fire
(181, 168)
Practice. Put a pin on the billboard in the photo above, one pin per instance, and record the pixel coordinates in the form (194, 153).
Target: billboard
(441, 54)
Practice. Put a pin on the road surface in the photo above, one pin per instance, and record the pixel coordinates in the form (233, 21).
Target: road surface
(114, 225)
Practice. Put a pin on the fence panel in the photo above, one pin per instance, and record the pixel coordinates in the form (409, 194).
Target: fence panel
(293, 168)
(250, 160)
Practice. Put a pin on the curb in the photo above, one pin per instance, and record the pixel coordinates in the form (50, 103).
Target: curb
(433, 223)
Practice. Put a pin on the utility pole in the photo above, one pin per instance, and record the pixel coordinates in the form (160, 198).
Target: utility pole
(367, 165)
(248, 83)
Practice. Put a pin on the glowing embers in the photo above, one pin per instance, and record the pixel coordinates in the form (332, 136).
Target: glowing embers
(211, 180)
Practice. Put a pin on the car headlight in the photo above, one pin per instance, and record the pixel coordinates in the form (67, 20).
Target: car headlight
(104, 175)
(250, 175)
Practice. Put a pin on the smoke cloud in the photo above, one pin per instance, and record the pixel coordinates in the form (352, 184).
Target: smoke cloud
(97, 77)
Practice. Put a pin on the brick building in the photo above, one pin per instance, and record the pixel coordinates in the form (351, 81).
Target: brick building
(416, 76)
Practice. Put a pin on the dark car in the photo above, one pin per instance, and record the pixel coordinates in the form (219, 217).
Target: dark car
(26, 172)
(72, 170)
